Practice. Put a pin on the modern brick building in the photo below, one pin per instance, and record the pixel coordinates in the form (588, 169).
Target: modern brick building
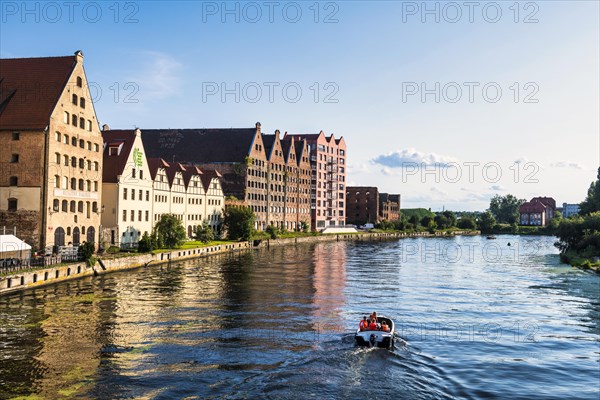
(362, 205)
(50, 151)
(328, 180)
(267, 173)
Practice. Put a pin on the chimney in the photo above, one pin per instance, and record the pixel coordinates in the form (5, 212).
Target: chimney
(105, 127)
(79, 56)
(258, 126)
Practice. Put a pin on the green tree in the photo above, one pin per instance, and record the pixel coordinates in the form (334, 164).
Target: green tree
(86, 249)
(239, 221)
(592, 201)
(466, 222)
(506, 208)
(580, 234)
(486, 222)
(145, 244)
(170, 231)
(427, 221)
(204, 233)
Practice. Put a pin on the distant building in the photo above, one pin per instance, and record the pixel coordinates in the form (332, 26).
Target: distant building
(50, 141)
(537, 212)
(569, 210)
(362, 205)
(328, 181)
(389, 207)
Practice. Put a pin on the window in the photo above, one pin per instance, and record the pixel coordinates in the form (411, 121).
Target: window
(81, 163)
(89, 146)
(66, 139)
(73, 162)
(56, 205)
(15, 136)
(72, 206)
(147, 196)
(140, 215)
(65, 206)
(68, 230)
(95, 165)
(66, 160)
(73, 184)
(14, 158)
(95, 207)
(96, 147)
(81, 185)
(95, 186)
(132, 215)
(79, 82)
(74, 139)
(82, 123)
(80, 207)
(12, 204)
(88, 185)
(147, 216)
(74, 120)
(66, 118)
(89, 165)
(141, 175)
(82, 143)
(57, 158)
(65, 182)
(75, 99)
(82, 102)
(124, 215)
(133, 173)
(89, 126)
(124, 193)
(140, 197)
(57, 181)
(13, 181)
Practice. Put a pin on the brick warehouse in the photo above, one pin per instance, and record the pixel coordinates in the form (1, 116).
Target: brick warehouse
(362, 205)
(50, 151)
(271, 176)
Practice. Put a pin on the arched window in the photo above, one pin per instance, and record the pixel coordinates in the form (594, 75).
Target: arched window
(65, 184)
(57, 158)
(74, 162)
(57, 181)
(88, 185)
(95, 165)
(80, 207)
(68, 231)
(66, 139)
(65, 206)
(82, 123)
(82, 143)
(91, 235)
(79, 82)
(56, 205)
(81, 163)
(66, 160)
(72, 208)
(89, 165)
(59, 237)
(75, 99)
(76, 237)
(82, 102)
(81, 185)
(74, 120)
(73, 184)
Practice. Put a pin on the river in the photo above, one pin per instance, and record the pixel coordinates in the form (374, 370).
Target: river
(475, 319)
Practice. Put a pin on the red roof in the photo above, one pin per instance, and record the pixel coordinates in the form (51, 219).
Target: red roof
(113, 165)
(154, 164)
(30, 89)
(547, 201)
(532, 207)
(207, 176)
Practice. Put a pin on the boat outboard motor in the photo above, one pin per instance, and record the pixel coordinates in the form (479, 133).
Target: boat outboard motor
(372, 339)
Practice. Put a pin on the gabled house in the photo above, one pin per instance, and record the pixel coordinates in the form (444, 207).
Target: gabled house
(126, 188)
(50, 152)
(537, 212)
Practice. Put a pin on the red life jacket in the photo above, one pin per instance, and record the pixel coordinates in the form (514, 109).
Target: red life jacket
(372, 326)
(362, 325)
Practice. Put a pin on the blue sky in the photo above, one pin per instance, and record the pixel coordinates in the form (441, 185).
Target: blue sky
(165, 64)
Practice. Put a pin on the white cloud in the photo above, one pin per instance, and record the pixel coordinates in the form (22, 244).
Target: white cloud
(159, 76)
(566, 164)
(413, 158)
(497, 188)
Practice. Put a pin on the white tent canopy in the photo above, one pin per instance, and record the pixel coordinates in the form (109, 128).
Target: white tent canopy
(10, 244)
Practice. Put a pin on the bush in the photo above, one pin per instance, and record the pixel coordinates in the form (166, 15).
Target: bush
(145, 244)
(466, 222)
(87, 250)
(113, 250)
(170, 231)
(239, 222)
(204, 233)
(271, 231)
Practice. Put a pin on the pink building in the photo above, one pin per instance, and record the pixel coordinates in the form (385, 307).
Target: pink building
(328, 183)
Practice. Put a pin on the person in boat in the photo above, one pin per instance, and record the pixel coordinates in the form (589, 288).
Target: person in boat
(364, 324)
(373, 325)
(384, 326)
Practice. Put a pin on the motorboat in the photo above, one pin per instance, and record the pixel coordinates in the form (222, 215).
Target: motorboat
(376, 338)
(491, 237)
